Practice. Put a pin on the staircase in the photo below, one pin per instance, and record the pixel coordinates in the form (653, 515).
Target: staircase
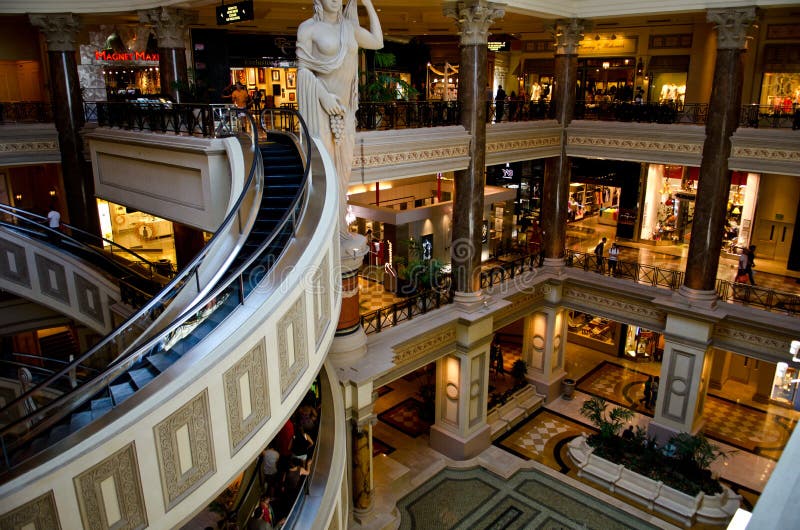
(284, 177)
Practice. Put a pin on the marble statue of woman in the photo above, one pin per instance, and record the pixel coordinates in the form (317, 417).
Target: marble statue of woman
(327, 79)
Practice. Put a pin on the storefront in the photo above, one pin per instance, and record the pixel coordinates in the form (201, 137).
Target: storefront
(667, 75)
(780, 85)
(268, 87)
(669, 202)
(605, 188)
(614, 338)
(606, 79)
(128, 72)
(151, 237)
(442, 82)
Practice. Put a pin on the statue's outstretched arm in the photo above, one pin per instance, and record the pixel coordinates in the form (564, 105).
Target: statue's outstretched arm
(372, 39)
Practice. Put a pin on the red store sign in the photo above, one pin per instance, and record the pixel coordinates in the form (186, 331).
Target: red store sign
(102, 55)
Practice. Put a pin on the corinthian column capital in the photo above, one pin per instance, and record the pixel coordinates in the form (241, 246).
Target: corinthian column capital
(473, 19)
(170, 25)
(568, 35)
(59, 29)
(732, 25)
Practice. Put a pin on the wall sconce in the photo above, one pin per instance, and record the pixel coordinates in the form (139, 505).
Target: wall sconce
(18, 196)
(52, 192)
(639, 67)
(606, 65)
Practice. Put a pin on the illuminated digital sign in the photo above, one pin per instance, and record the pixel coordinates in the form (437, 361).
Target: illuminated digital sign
(228, 14)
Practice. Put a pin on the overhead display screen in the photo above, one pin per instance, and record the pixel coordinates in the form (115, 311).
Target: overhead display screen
(228, 14)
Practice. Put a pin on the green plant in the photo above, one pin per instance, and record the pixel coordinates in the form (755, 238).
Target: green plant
(519, 370)
(695, 450)
(609, 425)
(382, 86)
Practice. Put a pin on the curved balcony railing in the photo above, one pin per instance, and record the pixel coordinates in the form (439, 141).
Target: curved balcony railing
(114, 348)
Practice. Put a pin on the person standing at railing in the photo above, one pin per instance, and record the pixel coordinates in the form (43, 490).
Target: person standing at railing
(598, 253)
(613, 256)
(499, 103)
(327, 80)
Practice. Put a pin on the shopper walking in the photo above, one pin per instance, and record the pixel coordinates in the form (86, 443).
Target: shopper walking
(613, 256)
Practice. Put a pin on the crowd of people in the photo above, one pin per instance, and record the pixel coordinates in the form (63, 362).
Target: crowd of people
(285, 463)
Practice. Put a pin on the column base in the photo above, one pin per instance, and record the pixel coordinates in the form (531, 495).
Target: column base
(349, 348)
(695, 297)
(454, 446)
(663, 433)
(554, 266)
(469, 302)
(550, 387)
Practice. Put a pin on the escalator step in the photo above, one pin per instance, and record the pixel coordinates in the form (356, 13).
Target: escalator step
(80, 419)
(121, 392)
(162, 361)
(141, 376)
(102, 403)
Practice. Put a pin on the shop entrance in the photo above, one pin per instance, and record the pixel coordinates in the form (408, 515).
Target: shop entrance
(773, 239)
(405, 408)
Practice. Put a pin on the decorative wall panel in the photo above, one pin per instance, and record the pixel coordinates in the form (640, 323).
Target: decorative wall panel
(184, 467)
(292, 345)
(13, 264)
(89, 302)
(40, 513)
(112, 490)
(52, 279)
(322, 294)
(247, 375)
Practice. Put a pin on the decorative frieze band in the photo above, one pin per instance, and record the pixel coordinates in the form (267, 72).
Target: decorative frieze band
(406, 157)
(426, 344)
(617, 306)
(522, 144)
(636, 144)
(27, 147)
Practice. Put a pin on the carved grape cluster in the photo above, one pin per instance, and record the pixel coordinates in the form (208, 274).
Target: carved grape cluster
(337, 126)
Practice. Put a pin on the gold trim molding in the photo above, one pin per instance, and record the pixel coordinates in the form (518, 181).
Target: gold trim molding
(427, 343)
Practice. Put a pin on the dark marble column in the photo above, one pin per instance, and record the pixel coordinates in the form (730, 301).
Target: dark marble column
(555, 193)
(60, 31)
(715, 177)
(473, 18)
(171, 25)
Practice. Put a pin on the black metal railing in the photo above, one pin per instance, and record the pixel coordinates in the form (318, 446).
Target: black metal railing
(727, 291)
(193, 119)
(26, 112)
(770, 299)
(200, 119)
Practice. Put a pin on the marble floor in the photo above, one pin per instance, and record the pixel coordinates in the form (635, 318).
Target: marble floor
(751, 433)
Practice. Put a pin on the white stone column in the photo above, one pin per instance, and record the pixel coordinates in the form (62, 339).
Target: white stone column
(543, 344)
(684, 379)
(462, 386)
(350, 342)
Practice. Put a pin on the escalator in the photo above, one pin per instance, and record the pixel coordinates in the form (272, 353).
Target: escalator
(276, 192)
(137, 278)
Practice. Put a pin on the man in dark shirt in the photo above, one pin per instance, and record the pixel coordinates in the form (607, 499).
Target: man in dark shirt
(500, 103)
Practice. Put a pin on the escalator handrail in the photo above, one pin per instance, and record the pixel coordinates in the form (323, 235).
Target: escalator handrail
(254, 178)
(41, 221)
(94, 251)
(58, 408)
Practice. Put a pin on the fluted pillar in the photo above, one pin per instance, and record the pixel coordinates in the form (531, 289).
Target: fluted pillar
(170, 25)
(60, 32)
(473, 19)
(715, 177)
(568, 34)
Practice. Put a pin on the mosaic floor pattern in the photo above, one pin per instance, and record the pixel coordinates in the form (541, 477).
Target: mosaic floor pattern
(405, 417)
(542, 437)
(739, 425)
(529, 499)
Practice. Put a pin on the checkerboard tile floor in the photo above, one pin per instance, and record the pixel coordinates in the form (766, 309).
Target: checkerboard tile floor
(372, 296)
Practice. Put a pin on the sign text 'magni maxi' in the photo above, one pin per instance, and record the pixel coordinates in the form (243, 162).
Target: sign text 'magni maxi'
(102, 55)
